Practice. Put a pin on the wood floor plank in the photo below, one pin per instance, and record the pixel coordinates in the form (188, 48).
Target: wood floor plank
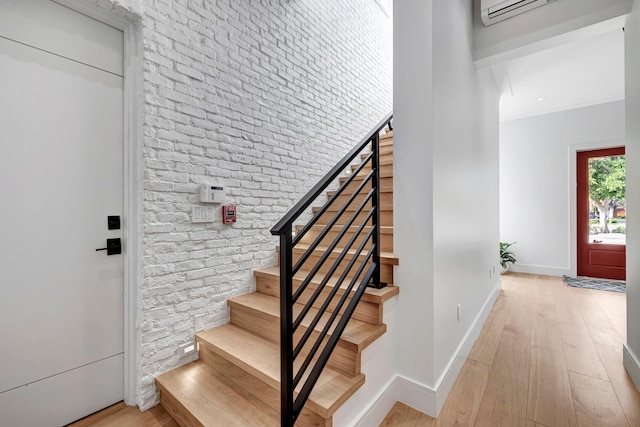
(463, 402)
(99, 416)
(611, 304)
(626, 391)
(549, 398)
(596, 402)
(485, 346)
(545, 331)
(580, 352)
(531, 423)
(505, 398)
(600, 327)
(402, 415)
(119, 415)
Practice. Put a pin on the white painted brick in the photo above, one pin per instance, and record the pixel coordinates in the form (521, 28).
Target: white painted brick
(261, 97)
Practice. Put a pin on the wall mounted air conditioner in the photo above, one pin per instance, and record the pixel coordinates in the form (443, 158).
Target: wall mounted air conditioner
(493, 11)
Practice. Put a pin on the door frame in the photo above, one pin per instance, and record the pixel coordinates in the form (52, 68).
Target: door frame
(607, 272)
(573, 192)
(132, 161)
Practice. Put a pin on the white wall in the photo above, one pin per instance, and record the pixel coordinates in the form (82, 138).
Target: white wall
(413, 186)
(537, 181)
(632, 59)
(539, 28)
(465, 176)
(445, 185)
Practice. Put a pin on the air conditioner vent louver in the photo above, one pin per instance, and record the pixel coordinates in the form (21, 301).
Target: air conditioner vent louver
(495, 10)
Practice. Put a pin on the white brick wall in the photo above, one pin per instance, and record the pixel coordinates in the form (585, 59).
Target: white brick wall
(262, 97)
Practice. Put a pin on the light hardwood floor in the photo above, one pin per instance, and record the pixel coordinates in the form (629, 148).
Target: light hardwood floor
(548, 356)
(120, 415)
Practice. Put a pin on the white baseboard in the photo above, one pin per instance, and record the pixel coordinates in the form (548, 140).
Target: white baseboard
(380, 406)
(631, 364)
(450, 373)
(538, 269)
(424, 398)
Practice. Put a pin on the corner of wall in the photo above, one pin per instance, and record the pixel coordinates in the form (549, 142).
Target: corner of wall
(449, 375)
(424, 398)
(631, 364)
(542, 270)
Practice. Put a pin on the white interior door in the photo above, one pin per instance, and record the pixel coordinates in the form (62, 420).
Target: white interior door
(61, 175)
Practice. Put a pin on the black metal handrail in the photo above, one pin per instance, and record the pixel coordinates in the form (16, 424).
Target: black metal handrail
(302, 359)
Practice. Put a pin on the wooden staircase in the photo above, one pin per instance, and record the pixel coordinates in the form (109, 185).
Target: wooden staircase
(236, 380)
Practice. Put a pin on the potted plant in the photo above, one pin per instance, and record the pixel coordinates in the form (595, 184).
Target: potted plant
(506, 257)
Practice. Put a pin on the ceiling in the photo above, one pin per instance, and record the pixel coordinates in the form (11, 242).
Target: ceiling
(585, 72)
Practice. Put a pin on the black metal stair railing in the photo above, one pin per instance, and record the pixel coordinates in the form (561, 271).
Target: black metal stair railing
(356, 263)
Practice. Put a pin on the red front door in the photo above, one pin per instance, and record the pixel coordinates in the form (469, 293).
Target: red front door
(601, 214)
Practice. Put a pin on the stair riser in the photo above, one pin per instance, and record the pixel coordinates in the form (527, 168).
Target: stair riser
(384, 177)
(386, 240)
(344, 359)
(386, 270)
(352, 207)
(385, 158)
(386, 218)
(386, 199)
(365, 311)
(386, 168)
(385, 161)
(386, 185)
(386, 149)
(258, 389)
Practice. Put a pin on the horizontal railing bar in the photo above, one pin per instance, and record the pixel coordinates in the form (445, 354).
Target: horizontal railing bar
(305, 283)
(335, 218)
(329, 202)
(327, 301)
(332, 317)
(306, 201)
(331, 344)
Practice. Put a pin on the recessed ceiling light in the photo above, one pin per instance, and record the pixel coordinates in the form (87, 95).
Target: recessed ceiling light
(540, 99)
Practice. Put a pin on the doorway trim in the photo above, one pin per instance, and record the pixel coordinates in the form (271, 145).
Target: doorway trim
(573, 191)
(133, 195)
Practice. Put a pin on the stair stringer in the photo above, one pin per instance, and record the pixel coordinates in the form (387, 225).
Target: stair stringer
(379, 366)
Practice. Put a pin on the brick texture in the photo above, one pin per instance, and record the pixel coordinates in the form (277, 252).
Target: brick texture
(262, 97)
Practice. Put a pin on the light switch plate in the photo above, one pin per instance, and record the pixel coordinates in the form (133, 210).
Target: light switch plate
(202, 214)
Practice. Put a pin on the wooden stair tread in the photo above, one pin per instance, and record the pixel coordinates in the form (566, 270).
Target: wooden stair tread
(360, 177)
(362, 174)
(346, 193)
(373, 295)
(261, 358)
(206, 399)
(357, 335)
